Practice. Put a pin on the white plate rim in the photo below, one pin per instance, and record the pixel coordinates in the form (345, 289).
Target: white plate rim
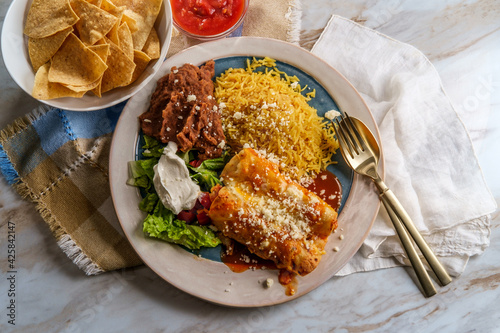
(220, 285)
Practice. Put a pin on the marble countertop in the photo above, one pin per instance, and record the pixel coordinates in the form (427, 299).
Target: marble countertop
(461, 39)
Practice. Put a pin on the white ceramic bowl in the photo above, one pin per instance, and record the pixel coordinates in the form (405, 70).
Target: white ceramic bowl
(16, 59)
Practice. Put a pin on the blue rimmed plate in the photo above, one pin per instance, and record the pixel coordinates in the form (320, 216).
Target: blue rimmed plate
(205, 276)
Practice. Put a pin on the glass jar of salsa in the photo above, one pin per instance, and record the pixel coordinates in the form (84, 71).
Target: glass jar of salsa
(208, 19)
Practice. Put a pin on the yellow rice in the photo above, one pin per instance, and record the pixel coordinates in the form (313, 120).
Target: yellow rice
(267, 111)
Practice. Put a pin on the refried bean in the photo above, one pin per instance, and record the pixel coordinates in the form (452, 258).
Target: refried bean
(183, 110)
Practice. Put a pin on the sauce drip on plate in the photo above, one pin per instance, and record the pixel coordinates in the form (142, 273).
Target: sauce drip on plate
(327, 186)
(239, 259)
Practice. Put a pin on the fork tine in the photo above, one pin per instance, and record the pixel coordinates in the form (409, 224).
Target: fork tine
(344, 141)
(340, 138)
(348, 138)
(354, 135)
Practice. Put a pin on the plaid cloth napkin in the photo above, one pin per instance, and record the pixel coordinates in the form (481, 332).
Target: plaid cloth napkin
(59, 159)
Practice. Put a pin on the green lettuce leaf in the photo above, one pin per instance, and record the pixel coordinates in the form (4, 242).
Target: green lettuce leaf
(207, 174)
(141, 172)
(149, 202)
(162, 224)
(152, 147)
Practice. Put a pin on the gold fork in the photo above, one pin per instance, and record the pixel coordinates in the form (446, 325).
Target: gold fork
(361, 152)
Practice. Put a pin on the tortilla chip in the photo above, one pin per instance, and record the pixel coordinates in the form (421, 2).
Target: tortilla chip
(141, 61)
(113, 33)
(44, 89)
(120, 69)
(77, 46)
(125, 40)
(107, 5)
(84, 88)
(112, 9)
(101, 41)
(132, 24)
(96, 3)
(46, 17)
(152, 46)
(75, 64)
(42, 49)
(94, 22)
(102, 50)
(144, 13)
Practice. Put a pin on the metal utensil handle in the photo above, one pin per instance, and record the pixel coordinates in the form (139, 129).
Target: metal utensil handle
(429, 255)
(420, 271)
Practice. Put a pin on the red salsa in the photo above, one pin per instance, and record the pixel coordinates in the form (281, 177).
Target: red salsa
(207, 17)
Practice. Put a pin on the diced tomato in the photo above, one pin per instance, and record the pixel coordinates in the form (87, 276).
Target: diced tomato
(195, 163)
(187, 215)
(203, 218)
(204, 199)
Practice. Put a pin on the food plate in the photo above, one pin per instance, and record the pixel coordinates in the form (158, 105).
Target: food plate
(17, 61)
(210, 279)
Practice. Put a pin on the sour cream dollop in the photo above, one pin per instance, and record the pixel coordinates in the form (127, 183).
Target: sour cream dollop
(175, 188)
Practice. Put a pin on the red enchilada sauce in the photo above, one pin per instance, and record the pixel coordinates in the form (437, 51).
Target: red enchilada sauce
(238, 258)
(327, 186)
(207, 17)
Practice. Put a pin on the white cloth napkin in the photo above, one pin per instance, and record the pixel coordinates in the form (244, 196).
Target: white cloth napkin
(430, 161)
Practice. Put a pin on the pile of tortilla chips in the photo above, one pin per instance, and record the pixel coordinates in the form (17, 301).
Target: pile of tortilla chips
(76, 46)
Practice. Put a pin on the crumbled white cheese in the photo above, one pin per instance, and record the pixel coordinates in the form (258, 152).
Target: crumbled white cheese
(175, 71)
(191, 98)
(332, 114)
(268, 283)
(147, 120)
(237, 115)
